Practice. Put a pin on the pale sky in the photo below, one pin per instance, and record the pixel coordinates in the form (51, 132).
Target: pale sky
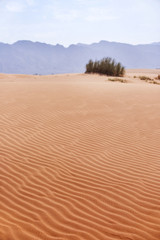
(80, 21)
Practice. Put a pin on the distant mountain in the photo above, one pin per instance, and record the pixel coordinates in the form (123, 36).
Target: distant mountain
(28, 57)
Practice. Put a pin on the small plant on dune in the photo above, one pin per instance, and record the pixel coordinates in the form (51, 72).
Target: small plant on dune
(106, 66)
(149, 80)
(144, 78)
(117, 80)
(154, 82)
(158, 77)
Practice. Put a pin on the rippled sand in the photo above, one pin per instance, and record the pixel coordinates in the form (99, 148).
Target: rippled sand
(79, 158)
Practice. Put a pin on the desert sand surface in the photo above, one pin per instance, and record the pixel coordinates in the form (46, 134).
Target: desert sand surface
(79, 157)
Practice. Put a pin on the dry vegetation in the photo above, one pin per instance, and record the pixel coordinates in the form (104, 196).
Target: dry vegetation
(158, 77)
(145, 78)
(150, 80)
(122, 80)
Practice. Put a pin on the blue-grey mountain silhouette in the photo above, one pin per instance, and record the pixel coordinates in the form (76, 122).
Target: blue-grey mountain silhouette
(28, 57)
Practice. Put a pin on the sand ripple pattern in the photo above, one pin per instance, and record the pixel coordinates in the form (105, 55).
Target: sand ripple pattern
(79, 161)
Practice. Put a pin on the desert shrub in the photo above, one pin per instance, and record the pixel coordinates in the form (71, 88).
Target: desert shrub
(106, 66)
(158, 77)
(89, 66)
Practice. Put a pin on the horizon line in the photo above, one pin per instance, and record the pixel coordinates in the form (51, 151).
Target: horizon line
(79, 43)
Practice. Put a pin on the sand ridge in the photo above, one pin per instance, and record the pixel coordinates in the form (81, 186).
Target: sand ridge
(79, 158)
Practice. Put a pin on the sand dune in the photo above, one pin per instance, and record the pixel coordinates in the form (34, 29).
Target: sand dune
(79, 158)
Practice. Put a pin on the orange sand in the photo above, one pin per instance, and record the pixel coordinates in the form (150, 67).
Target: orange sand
(79, 158)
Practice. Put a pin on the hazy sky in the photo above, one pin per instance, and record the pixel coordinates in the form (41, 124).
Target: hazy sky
(86, 21)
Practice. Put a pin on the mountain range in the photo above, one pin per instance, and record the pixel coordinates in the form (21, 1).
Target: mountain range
(27, 57)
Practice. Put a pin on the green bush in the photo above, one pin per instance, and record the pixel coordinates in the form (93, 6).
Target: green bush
(106, 66)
